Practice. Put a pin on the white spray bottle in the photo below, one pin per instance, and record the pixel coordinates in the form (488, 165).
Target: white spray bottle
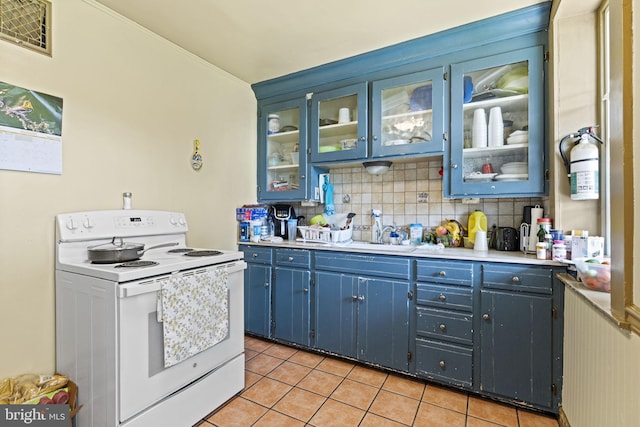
(376, 226)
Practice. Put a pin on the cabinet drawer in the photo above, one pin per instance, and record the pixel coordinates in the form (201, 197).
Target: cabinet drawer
(445, 362)
(257, 254)
(451, 272)
(445, 325)
(449, 297)
(370, 265)
(523, 278)
(293, 257)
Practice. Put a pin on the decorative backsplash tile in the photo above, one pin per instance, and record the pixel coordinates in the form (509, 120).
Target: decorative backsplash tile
(411, 193)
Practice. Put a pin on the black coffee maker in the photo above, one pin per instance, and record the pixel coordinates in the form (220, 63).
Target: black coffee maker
(280, 214)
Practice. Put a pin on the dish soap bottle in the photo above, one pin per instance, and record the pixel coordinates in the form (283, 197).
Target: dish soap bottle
(477, 222)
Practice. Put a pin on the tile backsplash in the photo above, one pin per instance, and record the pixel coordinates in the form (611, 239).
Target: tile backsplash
(411, 193)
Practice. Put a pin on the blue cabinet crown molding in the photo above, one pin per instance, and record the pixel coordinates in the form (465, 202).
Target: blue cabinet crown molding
(509, 25)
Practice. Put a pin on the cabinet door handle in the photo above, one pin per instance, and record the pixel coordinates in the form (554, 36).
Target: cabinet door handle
(357, 298)
(485, 316)
(441, 364)
(255, 255)
(454, 166)
(443, 273)
(515, 279)
(442, 297)
(266, 284)
(443, 327)
(305, 290)
(375, 138)
(302, 177)
(362, 138)
(290, 258)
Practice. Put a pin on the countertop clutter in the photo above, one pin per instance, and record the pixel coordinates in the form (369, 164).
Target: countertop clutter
(420, 251)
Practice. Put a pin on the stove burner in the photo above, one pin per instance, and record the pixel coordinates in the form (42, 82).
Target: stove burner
(203, 253)
(179, 250)
(136, 264)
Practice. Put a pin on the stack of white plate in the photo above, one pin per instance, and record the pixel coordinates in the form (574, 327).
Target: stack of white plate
(514, 168)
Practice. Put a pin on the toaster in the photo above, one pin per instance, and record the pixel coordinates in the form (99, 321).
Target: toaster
(507, 239)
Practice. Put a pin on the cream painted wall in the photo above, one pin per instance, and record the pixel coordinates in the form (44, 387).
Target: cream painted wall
(133, 104)
(575, 94)
(601, 370)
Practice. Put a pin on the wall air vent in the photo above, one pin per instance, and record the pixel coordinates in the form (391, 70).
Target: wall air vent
(27, 23)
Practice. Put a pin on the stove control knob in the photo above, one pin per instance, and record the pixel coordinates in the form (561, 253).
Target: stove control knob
(71, 224)
(173, 221)
(182, 221)
(88, 223)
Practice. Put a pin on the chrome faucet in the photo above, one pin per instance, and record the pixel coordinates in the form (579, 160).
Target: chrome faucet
(384, 230)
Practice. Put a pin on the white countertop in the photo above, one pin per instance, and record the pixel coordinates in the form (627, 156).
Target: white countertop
(425, 251)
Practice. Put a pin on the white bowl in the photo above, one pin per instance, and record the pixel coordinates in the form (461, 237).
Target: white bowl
(514, 168)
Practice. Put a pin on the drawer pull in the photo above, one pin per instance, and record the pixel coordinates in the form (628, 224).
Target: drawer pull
(305, 290)
(442, 297)
(255, 255)
(441, 364)
(443, 273)
(515, 279)
(443, 327)
(290, 258)
(485, 316)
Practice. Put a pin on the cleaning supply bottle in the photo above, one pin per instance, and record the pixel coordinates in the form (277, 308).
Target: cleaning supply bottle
(477, 221)
(376, 226)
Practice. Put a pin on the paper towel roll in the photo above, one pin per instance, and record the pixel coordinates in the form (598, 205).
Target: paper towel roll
(536, 213)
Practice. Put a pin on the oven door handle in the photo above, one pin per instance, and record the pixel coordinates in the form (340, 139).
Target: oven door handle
(155, 285)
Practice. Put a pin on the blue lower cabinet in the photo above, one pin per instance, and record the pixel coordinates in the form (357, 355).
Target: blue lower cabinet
(291, 299)
(363, 317)
(335, 313)
(257, 290)
(444, 362)
(516, 347)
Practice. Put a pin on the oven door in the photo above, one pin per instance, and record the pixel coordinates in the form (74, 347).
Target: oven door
(143, 379)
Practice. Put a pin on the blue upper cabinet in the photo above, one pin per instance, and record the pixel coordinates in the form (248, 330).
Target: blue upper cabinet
(497, 125)
(408, 114)
(282, 148)
(339, 124)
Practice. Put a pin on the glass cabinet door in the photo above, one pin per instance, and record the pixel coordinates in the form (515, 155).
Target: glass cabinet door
(408, 114)
(339, 124)
(282, 160)
(497, 132)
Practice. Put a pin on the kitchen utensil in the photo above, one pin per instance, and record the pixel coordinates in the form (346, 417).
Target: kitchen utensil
(349, 218)
(110, 253)
(507, 239)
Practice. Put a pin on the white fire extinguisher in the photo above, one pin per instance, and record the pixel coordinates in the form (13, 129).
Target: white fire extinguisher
(583, 165)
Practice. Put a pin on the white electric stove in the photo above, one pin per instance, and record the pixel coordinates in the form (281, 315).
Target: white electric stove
(125, 331)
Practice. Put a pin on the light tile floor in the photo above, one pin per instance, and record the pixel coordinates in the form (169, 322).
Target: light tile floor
(289, 387)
